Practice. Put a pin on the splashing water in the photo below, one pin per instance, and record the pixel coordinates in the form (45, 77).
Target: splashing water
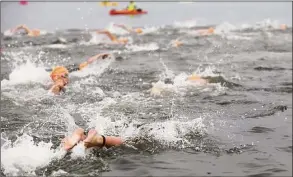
(27, 73)
(144, 47)
(185, 24)
(23, 157)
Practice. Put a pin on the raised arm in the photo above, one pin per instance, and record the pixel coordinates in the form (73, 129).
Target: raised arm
(110, 35)
(92, 59)
(124, 27)
(22, 27)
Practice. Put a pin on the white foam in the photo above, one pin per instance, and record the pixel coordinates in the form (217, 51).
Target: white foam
(98, 39)
(267, 24)
(149, 29)
(59, 173)
(27, 73)
(143, 47)
(185, 24)
(23, 157)
(8, 32)
(56, 46)
(167, 132)
(224, 28)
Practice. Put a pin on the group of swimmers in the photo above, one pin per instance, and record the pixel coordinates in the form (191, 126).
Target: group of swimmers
(60, 78)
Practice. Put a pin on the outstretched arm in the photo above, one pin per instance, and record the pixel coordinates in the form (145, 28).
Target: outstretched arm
(93, 139)
(92, 59)
(110, 35)
(124, 27)
(27, 30)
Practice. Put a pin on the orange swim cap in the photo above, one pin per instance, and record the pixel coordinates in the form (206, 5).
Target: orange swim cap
(211, 30)
(138, 30)
(59, 72)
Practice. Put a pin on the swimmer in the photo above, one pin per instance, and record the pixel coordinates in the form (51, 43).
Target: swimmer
(159, 87)
(90, 139)
(206, 32)
(130, 30)
(59, 74)
(112, 37)
(192, 78)
(176, 43)
(29, 32)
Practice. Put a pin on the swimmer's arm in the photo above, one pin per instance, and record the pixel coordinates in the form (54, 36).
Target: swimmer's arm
(110, 35)
(91, 60)
(124, 27)
(23, 27)
(94, 58)
(110, 141)
(56, 89)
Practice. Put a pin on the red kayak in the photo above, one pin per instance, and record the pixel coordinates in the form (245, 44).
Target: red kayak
(127, 12)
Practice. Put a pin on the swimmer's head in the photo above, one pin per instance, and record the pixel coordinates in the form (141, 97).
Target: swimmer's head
(138, 30)
(211, 30)
(59, 72)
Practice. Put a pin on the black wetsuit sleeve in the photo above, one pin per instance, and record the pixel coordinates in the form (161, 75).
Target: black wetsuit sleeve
(72, 67)
(48, 69)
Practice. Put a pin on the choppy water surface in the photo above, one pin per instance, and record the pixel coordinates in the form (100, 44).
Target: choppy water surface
(239, 124)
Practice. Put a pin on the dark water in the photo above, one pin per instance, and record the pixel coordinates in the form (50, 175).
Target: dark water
(238, 124)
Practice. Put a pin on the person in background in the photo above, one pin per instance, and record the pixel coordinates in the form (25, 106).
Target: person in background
(28, 32)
